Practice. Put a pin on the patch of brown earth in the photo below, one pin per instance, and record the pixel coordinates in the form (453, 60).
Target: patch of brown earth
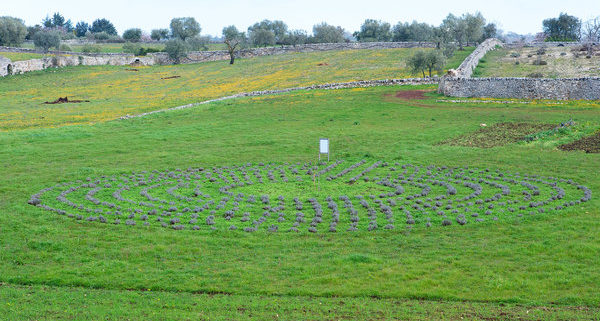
(409, 94)
(65, 100)
(590, 144)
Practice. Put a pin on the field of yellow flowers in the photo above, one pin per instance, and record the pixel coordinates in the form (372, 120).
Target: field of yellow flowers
(114, 91)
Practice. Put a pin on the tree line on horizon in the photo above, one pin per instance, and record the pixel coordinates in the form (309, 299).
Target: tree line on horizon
(183, 34)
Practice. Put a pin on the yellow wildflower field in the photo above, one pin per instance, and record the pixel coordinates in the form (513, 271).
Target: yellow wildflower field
(114, 91)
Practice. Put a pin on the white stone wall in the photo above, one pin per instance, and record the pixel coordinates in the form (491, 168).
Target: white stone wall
(465, 70)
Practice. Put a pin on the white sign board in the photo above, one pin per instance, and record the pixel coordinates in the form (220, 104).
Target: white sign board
(324, 146)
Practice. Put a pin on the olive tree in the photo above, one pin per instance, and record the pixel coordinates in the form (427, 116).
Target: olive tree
(176, 49)
(133, 34)
(159, 34)
(373, 30)
(184, 28)
(435, 61)
(417, 63)
(47, 39)
(12, 31)
(295, 37)
(198, 43)
(325, 33)
(234, 40)
(430, 61)
(262, 37)
(457, 28)
(475, 26)
(277, 27)
(563, 28)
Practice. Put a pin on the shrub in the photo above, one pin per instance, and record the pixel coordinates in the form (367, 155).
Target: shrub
(159, 34)
(541, 51)
(176, 49)
(133, 35)
(198, 43)
(515, 54)
(101, 36)
(89, 48)
(132, 48)
(65, 47)
(540, 62)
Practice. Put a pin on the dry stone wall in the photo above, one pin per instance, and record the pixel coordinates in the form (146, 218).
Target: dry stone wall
(118, 59)
(352, 84)
(522, 88)
(470, 63)
(462, 85)
(19, 67)
(202, 56)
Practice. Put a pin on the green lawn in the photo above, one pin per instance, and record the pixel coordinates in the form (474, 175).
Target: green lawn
(114, 91)
(66, 303)
(19, 56)
(504, 269)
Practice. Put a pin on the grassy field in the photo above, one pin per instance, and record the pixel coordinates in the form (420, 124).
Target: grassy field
(533, 267)
(562, 62)
(19, 56)
(115, 91)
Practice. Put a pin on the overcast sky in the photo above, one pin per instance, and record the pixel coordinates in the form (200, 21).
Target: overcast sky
(521, 16)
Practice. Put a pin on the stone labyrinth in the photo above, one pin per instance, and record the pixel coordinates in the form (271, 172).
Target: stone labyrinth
(324, 197)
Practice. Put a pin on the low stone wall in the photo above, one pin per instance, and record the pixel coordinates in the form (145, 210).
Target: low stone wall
(54, 52)
(160, 58)
(19, 67)
(462, 85)
(202, 56)
(470, 63)
(542, 44)
(352, 84)
(522, 88)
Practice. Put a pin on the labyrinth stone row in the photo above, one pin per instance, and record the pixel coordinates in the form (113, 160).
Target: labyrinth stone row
(313, 197)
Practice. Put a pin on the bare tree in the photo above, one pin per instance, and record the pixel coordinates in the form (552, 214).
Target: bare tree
(591, 34)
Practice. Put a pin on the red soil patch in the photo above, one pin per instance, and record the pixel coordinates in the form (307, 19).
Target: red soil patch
(65, 100)
(323, 64)
(409, 94)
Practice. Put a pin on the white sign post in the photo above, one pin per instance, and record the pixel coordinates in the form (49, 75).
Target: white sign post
(324, 147)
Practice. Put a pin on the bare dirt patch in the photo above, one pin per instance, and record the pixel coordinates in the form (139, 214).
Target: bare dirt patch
(65, 100)
(408, 94)
(590, 144)
(499, 134)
